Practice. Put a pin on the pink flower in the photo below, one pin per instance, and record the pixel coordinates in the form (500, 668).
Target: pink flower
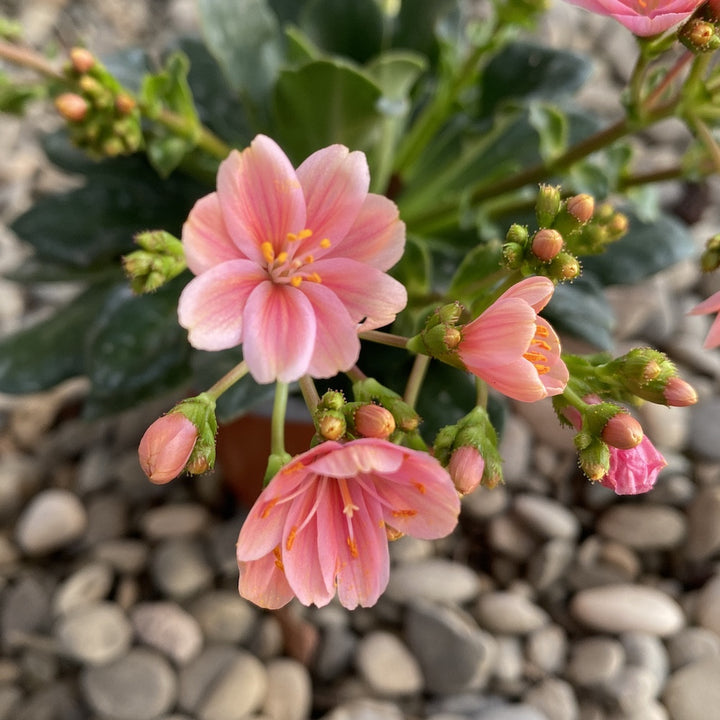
(166, 446)
(290, 262)
(466, 468)
(711, 305)
(514, 350)
(643, 17)
(321, 524)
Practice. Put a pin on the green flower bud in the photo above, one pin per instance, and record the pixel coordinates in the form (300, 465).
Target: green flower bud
(547, 205)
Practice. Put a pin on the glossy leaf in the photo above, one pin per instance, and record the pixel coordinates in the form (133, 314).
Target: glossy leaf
(551, 126)
(415, 27)
(481, 261)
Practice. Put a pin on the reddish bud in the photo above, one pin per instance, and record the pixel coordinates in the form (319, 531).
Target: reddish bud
(546, 244)
(166, 447)
(82, 59)
(618, 226)
(374, 421)
(623, 431)
(331, 425)
(581, 207)
(466, 469)
(71, 106)
(124, 104)
(679, 393)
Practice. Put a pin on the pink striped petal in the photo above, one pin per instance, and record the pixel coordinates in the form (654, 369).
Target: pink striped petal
(337, 346)
(335, 182)
(377, 236)
(710, 305)
(279, 335)
(210, 305)
(264, 583)
(366, 292)
(713, 337)
(536, 291)
(518, 380)
(558, 375)
(205, 238)
(260, 196)
(366, 455)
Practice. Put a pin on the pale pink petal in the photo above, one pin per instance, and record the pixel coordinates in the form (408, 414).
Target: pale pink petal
(279, 336)
(210, 305)
(366, 455)
(366, 292)
(205, 238)
(260, 196)
(557, 375)
(535, 291)
(337, 346)
(335, 182)
(263, 582)
(713, 337)
(518, 380)
(377, 236)
(711, 305)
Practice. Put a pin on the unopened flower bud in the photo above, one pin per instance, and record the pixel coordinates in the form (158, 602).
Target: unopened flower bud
(565, 266)
(622, 431)
(710, 259)
(517, 234)
(166, 446)
(82, 59)
(581, 207)
(124, 104)
(330, 424)
(546, 244)
(332, 400)
(547, 205)
(374, 421)
(466, 469)
(699, 35)
(513, 255)
(71, 106)
(679, 393)
(617, 227)
(594, 456)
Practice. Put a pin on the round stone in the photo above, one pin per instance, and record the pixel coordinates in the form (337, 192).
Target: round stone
(703, 537)
(643, 527)
(692, 644)
(708, 605)
(180, 568)
(289, 693)
(139, 686)
(125, 555)
(169, 629)
(621, 608)
(224, 616)
(387, 665)
(693, 691)
(432, 579)
(52, 520)
(546, 649)
(595, 661)
(174, 520)
(546, 516)
(94, 633)
(554, 697)
(509, 613)
(90, 583)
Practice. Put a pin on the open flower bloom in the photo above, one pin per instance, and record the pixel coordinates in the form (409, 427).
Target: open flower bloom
(321, 524)
(711, 305)
(642, 17)
(291, 263)
(514, 350)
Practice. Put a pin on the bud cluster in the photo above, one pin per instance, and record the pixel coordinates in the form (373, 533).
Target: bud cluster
(103, 118)
(160, 259)
(440, 337)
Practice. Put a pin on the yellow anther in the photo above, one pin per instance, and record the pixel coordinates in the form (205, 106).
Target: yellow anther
(325, 243)
(404, 513)
(282, 257)
(268, 253)
(541, 344)
(542, 331)
(268, 507)
(308, 259)
(291, 539)
(542, 369)
(353, 547)
(534, 357)
(306, 233)
(291, 237)
(278, 559)
(314, 277)
(296, 280)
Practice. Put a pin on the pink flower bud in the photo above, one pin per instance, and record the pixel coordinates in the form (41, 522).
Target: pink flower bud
(331, 425)
(466, 469)
(124, 104)
(374, 421)
(71, 106)
(581, 207)
(679, 393)
(82, 59)
(166, 447)
(623, 431)
(547, 243)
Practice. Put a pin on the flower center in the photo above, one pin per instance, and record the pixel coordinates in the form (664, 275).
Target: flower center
(534, 354)
(290, 265)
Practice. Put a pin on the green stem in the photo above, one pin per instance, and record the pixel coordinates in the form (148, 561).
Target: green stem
(671, 173)
(277, 429)
(25, 57)
(309, 393)
(356, 374)
(481, 397)
(574, 399)
(707, 139)
(228, 380)
(670, 76)
(203, 138)
(384, 338)
(415, 379)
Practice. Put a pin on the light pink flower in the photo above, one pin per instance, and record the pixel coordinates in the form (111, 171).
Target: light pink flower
(711, 305)
(643, 17)
(514, 350)
(166, 446)
(466, 468)
(290, 262)
(320, 525)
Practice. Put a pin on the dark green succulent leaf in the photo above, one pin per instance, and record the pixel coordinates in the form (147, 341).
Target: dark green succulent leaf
(481, 261)
(415, 27)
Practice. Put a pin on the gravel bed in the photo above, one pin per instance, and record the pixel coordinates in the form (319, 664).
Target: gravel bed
(553, 600)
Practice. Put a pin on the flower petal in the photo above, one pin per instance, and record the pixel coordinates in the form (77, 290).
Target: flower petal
(279, 336)
(518, 380)
(263, 582)
(536, 291)
(366, 455)
(710, 305)
(210, 305)
(205, 238)
(335, 182)
(260, 196)
(713, 337)
(557, 375)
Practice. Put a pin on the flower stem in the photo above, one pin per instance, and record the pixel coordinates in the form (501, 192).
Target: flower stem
(481, 389)
(228, 380)
(384, 338)
(415, 379)
(26, 57)
(277, 429)
(309, 393)
(204, 138)
(707, 139)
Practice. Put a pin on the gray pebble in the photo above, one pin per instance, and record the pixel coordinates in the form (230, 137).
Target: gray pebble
(550, 563)
(224, 616)
(633, 689)
(174, 520)
(169, 629)
(126, 555)
(435, 579)
(515, 449)
(365, 710)
(197, 677)
(704, 424)
(454, 654)
(546, 649)
(289, 694)
(94, 633)
(388, 667)
(694, 690)
(107, 518)
(512, 712)
(25, 608)
(508, 535)
(546, 516)
(595, 661)
(509, 613)
(692, 644)
(703, 538)
(707, 609)
(620, 608)
(180, 568)
(409, 549)
(10, 697)
(554, 697)
(643, 526)
(52, 520)
(335, 652)
(508, 666)
(55, 701)
(484, 503)
(92, 582)
(139, 686)
(647, 651)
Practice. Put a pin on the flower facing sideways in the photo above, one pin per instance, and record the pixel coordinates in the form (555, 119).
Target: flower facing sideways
(290, 262)
(643, 17)
(711, 305)
(513, 349)
(321, 525)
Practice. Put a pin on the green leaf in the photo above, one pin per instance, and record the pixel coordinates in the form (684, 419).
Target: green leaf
(648, 248)
(245, 38)
(481, 261)
(350, 29)
(136, 350)
(581, 310)
(39, 357)
(528, 71)
(551, 126)
(325, 102)
(415, 27)
(15, 96)
(395, 73)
